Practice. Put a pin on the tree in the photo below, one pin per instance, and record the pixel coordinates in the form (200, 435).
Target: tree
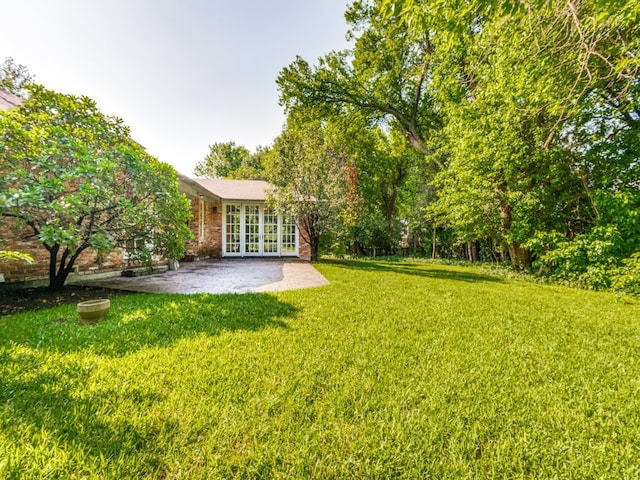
(14, 78)
(383, 167)
(310, 178)
(228, 160)
(74, 179)
(542, 118)
(252, 168)
(528, 109)
(386, 76)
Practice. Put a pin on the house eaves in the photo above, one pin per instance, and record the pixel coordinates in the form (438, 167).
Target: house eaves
(235, 190)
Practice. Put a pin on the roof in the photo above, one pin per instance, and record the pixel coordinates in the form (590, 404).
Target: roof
(8, 100)
(251, 190)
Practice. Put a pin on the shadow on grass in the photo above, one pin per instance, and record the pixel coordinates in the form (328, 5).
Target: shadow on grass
(68, 432)
(143, 320)
(421, 269)
(44, 391)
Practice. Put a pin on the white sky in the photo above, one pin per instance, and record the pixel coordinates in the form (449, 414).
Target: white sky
(183, 74)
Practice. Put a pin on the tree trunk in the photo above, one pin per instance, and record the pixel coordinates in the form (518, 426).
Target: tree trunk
(53, 263)
(314, 244)
(57, 283)
(59, 271)
(433, 244)
(472, 250)
(520, 256)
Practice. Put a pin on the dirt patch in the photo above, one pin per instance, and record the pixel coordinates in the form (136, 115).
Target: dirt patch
(29, 299)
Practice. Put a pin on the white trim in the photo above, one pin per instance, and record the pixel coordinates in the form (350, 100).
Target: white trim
(224, 230)
(243, 233)
(263, 210)
(202, 220)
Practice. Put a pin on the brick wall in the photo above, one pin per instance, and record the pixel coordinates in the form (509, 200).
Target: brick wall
(207, 241)
(304, 249)
(89, 262)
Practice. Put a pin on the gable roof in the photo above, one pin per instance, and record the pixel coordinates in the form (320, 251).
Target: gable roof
(249, 190)
(8, 100)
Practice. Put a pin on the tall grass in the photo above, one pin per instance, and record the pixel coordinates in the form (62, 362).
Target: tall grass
(395, 370)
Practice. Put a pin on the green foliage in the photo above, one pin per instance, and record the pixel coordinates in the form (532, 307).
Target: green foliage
(385, 77)
(621, 208)
(390, 175)
(530, 110)
(228, 160)
(602, 257)
(310, 176)
(394, 370)
(588, 259)
(626, 277)
(74, 179)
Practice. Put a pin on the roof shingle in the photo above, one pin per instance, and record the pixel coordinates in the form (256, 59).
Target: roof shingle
(249, 190)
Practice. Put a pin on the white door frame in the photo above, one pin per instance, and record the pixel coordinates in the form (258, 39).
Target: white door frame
(251, 233)
(241, 234)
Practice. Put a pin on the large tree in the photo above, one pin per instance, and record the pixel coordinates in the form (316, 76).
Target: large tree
(74, 179)
(386, 76)
(383, 168)
(529, 109)
(542, 117)
(311, 179)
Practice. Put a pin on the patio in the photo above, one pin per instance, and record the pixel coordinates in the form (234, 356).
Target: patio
(223, 276)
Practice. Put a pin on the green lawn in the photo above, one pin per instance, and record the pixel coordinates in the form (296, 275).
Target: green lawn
(395, 370)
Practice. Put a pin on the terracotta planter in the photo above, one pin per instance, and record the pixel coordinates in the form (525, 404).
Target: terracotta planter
(93, 310)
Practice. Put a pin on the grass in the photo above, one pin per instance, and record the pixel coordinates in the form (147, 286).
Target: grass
(395, 370)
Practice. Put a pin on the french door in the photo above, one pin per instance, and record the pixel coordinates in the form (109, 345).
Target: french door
(251, 229)
(252, 234)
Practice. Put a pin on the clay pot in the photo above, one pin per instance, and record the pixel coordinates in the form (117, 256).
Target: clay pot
(93, 310)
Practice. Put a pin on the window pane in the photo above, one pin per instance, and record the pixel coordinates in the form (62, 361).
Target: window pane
(288, 235)
(232, 240)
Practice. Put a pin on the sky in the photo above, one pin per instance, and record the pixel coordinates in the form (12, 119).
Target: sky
(182, 74)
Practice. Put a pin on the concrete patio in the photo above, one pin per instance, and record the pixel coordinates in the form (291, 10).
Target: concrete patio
(223, 276)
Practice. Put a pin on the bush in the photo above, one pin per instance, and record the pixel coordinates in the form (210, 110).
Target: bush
(588, 259)
(626, 277)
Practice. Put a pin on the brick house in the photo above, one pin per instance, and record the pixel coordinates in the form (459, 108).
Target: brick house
(230, 218)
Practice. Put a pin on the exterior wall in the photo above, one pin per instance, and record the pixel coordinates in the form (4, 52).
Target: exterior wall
(207, 243)
(88, 263)
(304, 249)
(207, 235)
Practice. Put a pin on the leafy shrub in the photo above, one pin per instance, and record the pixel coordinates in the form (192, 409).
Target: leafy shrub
(588, 259)
(626, 277)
